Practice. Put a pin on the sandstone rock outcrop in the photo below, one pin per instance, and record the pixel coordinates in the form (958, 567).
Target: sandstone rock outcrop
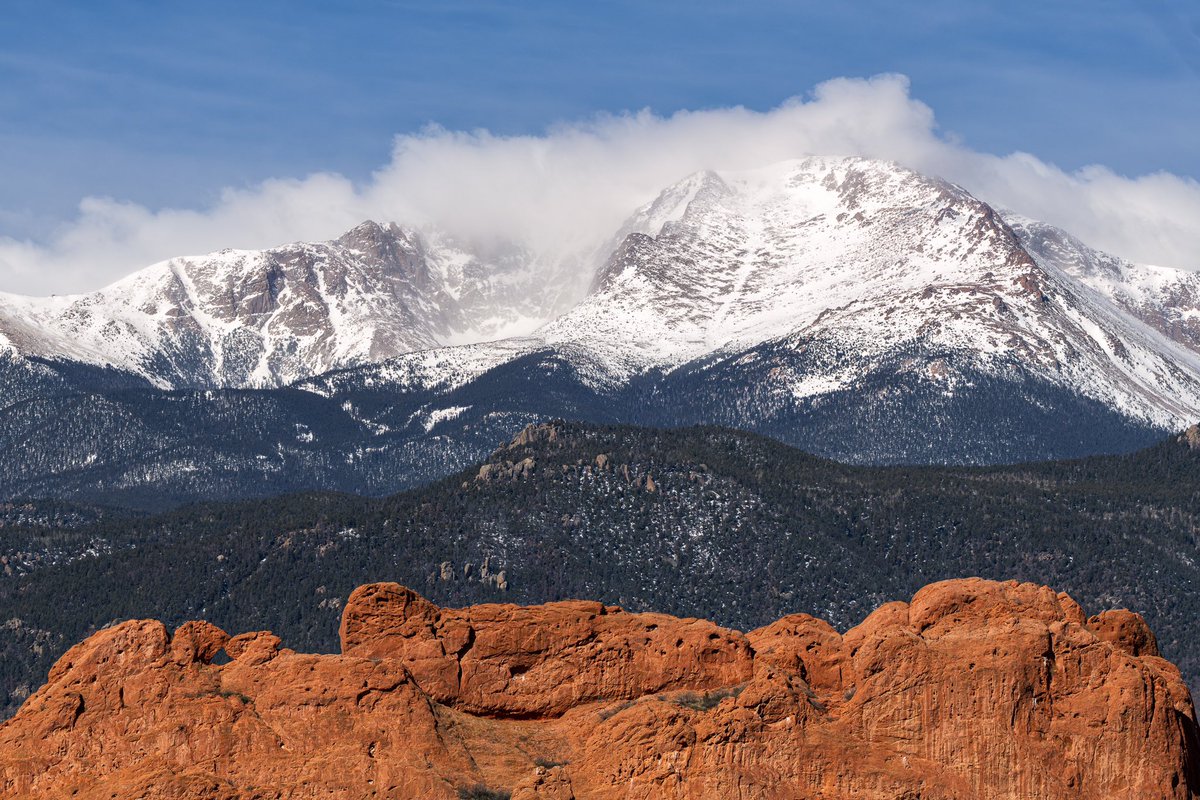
(973, 689)
(539, 661)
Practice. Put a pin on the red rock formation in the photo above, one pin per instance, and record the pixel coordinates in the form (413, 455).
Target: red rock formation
(974, 689)
(538, 661)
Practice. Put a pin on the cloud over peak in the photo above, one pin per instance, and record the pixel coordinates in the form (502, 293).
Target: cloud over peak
(574, 184)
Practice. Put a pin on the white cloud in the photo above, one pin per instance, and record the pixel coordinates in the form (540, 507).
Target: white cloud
(576, 182)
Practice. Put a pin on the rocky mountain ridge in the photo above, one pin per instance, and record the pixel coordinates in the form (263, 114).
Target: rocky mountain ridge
(973, 688)
(857, 254)
(846, 306)
(245, 318)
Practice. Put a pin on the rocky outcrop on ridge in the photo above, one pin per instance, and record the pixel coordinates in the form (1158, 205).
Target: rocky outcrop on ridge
(972, 689)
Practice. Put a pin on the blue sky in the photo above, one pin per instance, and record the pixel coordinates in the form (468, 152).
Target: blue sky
(132, 130)
(165, 103)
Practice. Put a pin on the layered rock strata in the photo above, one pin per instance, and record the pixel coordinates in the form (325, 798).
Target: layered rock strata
(973, 689)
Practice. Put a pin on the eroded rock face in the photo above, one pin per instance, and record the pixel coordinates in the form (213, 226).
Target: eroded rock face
(125, 714)
(539, 661)
(973, 689)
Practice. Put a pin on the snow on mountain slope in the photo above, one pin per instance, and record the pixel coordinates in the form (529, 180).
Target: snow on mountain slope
(266, 318)
(439, 369)
(1166, 299)
(748, 257)
(870, 258)
(858, 265)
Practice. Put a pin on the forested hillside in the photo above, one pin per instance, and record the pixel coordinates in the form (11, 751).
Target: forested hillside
(698, 521)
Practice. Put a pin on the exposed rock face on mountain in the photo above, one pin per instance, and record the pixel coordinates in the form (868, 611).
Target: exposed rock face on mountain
(973, 689)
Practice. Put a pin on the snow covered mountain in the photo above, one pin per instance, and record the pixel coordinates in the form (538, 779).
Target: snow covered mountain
(850, 263)
(851, 307)
(866, 259)
(242, 318)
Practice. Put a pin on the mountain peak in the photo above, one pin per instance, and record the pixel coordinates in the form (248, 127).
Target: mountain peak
(744, 256)
(864, 258)
(373, 238)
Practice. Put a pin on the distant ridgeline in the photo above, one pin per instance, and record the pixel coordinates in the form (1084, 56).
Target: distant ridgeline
(703, 521)
(156, 450)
